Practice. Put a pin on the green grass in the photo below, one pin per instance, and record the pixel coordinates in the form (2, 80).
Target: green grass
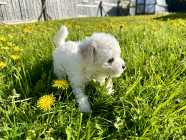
(149, 100)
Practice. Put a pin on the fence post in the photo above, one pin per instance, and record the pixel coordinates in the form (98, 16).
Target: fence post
(44, 11)
(101, 8)
(21, 12)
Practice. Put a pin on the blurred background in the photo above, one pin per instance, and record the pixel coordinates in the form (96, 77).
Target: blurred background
(13, 11)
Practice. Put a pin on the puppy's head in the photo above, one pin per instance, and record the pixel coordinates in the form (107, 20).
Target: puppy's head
(102, 52)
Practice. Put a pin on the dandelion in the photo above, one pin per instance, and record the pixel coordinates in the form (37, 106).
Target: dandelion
(27, 29)
(2, 65)
(60, 84)
(2, 38)
(17, 49)
(46, 102)
(15, 57)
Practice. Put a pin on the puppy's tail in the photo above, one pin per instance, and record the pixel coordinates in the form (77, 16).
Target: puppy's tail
(61, 35)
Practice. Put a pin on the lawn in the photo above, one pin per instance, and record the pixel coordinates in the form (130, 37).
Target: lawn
(149, 101)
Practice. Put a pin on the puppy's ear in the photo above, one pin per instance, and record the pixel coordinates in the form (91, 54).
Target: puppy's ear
(88, 51)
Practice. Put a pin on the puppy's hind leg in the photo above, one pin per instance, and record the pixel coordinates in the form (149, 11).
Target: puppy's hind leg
(79, 91)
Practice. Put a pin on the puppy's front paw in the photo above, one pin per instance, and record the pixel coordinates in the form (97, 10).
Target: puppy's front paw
(84, 105)
(110, 91)
(85, 109)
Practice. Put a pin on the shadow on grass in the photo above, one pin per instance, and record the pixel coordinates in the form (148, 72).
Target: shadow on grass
(41, 76)
(32, 80)
(172, 16)
(102, 106)
(101, 101)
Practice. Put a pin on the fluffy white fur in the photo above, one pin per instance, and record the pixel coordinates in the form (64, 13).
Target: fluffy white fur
(97, 57)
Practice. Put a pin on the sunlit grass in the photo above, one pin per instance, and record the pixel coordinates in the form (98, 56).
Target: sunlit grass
(149, 100)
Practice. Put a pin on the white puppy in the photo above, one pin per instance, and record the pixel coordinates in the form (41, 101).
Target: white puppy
(97, 57)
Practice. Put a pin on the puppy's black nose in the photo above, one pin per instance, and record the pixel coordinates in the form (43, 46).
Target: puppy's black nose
(123, 66)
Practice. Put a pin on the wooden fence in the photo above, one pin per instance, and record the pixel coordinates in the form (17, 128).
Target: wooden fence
(28, 10)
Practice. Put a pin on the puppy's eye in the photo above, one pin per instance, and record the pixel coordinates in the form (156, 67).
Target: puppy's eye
(110, 60)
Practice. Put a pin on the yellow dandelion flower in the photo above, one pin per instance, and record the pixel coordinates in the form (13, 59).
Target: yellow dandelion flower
(27, 29)
(60, 84)
(15, 57)
(46, 102)
(2, 64)
(2, 38)
(17, 49)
